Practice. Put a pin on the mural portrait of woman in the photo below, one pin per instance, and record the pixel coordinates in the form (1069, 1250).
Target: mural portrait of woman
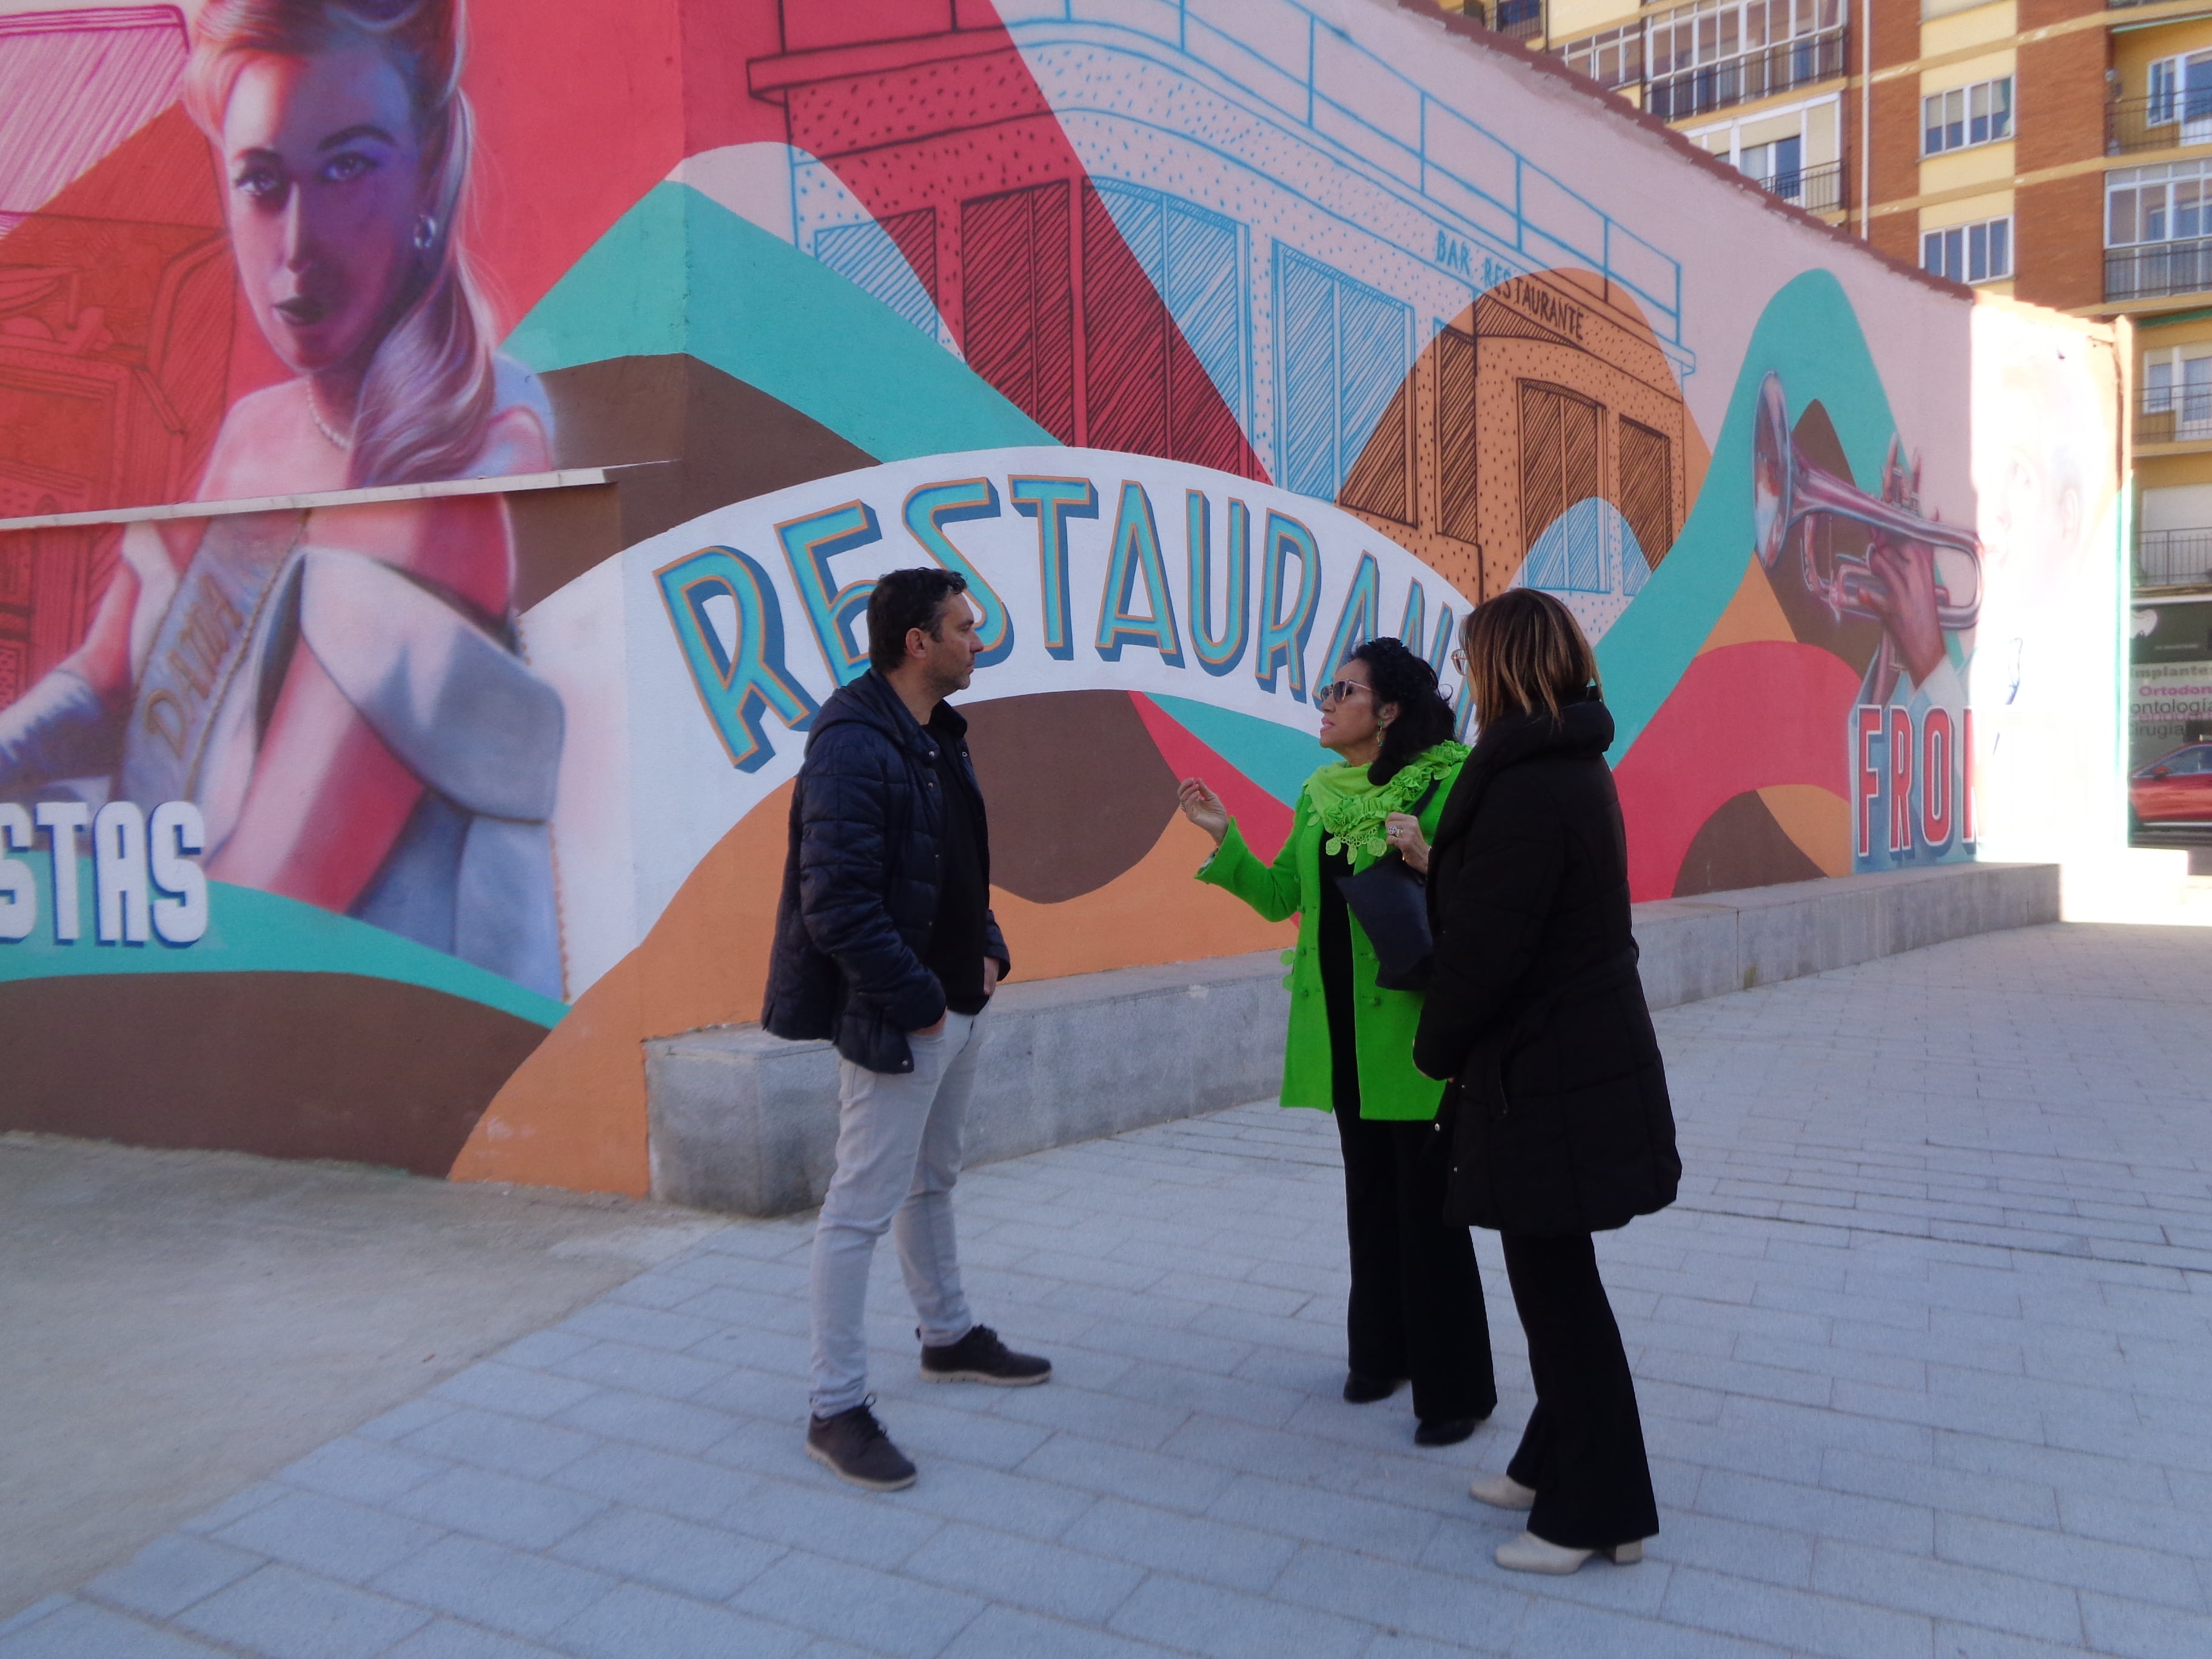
(401, 767)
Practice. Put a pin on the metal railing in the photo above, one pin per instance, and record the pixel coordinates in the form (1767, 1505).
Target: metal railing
(2168, 121)
(1817, 190)
(2173, 414)
(1313, 74)
(2153, 270)
(1755, 75)
(2173, 558)
(1518, 20)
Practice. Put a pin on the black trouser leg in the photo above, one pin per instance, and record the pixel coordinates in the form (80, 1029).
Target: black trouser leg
(1447, 1326)
(1375, 1324)
(1584, 1449)
(1416, 1307)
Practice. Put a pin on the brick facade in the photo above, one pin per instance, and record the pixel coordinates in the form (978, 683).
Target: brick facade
(2059, 254)
(2059, 99)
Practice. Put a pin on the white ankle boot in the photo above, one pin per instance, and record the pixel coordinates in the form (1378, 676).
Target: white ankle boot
(1530, 1553)
(1502, 1492)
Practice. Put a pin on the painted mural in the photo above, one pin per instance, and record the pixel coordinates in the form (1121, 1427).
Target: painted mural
(440, 476)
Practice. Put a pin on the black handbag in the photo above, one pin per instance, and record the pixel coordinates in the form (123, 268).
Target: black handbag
(1391, 899)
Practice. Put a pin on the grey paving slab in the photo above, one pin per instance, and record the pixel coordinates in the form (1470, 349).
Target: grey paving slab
(1920, 1351)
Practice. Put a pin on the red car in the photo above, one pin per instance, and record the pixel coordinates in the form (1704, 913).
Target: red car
(2174, 792)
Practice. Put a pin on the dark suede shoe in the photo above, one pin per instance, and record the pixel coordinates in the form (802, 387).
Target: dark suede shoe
(1366, 1390)
(1444, 1431)
(854, 1447)
(980, 1357)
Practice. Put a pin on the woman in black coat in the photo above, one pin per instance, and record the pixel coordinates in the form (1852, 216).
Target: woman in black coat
(1561, 1122)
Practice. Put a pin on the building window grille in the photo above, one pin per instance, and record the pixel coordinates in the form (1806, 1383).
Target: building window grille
(1713, 53)
(2176, 397)
(1343, 351)
(1969, 253)
(2158, 230)
(1965, 116)
(1164, 327)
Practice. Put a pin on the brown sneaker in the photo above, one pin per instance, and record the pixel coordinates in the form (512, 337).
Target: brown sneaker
(980, 1357)
(854, 1447)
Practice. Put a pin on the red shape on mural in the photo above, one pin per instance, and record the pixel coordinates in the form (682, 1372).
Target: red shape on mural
(1741, 718)
(1264, 822)
(943, 134)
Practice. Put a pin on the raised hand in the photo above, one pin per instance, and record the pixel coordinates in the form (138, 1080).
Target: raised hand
(1203, 808)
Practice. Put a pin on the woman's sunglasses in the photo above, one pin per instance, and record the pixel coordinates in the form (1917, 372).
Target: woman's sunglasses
(1335, 692)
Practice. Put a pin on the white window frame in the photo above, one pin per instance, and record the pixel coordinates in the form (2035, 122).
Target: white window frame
(2161, 178)
(2166, 88)
(1936, 109)
(2168, 386)
(1989, 233)
(1733, 155)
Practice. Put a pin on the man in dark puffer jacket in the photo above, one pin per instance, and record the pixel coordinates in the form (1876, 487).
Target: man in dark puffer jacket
(885, 941)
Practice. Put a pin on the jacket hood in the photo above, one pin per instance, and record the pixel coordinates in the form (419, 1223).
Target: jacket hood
(869, 701)
(1583, 732)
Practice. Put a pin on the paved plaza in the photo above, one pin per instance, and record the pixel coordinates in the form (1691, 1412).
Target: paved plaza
(1925, 1354)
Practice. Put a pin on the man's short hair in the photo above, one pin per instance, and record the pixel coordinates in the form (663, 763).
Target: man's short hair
(906, 600)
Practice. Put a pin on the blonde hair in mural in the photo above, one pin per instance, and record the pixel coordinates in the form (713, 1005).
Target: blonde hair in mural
(429, 393)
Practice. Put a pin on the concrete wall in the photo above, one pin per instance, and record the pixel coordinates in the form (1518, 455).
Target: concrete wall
(746, 1123)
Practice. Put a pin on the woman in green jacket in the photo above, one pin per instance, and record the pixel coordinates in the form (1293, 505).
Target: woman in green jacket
(1416, 1310)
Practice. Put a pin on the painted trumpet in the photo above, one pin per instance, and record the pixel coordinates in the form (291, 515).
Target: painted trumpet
(1789, 493)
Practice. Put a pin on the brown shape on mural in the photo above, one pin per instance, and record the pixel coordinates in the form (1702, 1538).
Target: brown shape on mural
(1855, 639)
(282, 1064)
(1742, 844)
(573, 1114)
(1549, 389)
(698, 437)
(1076, 792)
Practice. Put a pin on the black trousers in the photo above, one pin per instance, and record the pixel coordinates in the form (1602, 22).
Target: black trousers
(1416, 1308)
(1584, 1449)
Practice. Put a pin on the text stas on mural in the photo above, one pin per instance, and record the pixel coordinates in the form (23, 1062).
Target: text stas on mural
(145, 880)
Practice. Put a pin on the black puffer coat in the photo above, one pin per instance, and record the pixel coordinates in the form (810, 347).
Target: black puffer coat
(1560, 1119)
(860, 879)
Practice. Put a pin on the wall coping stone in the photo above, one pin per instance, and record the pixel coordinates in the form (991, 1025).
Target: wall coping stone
(746, 1123)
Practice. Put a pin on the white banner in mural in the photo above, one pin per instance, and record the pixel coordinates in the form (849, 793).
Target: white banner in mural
(692, 664)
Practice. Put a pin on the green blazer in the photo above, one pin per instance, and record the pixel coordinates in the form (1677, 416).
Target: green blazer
(1383, 1021)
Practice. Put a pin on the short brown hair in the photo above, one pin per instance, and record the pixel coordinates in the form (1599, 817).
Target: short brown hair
(1525, 651)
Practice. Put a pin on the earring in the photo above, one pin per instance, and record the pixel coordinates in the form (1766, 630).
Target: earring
(425, 234)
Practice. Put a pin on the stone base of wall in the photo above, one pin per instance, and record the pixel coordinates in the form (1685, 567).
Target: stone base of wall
(745, 1123)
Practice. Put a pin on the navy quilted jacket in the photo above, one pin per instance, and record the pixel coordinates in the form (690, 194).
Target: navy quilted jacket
(860, 879)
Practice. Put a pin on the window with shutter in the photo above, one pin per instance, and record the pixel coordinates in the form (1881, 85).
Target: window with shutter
(1647, 489)
(1017, 304)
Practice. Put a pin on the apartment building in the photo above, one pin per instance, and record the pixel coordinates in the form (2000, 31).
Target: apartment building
(2058, 150)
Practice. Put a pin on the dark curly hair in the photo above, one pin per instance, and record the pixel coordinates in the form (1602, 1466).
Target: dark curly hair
(1423, 717)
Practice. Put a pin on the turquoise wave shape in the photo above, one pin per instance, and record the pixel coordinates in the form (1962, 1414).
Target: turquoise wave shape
(251, 932)
(1279, 758)
(1809, 335)
(681, 273)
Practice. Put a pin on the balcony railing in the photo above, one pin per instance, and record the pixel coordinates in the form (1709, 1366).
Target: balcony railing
(2154, 270)
(1739, 80)
(1817, 190)
(2173, 414)
(2167, 121)
(2173, 558)
(1518, 20)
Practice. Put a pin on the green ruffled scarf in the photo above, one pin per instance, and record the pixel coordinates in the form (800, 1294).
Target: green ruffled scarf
(1351, 810)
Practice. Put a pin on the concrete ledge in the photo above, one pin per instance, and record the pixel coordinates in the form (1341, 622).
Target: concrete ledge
(745, 1122)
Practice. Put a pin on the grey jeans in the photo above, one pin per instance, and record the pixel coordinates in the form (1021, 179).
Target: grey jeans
(898, 1155)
